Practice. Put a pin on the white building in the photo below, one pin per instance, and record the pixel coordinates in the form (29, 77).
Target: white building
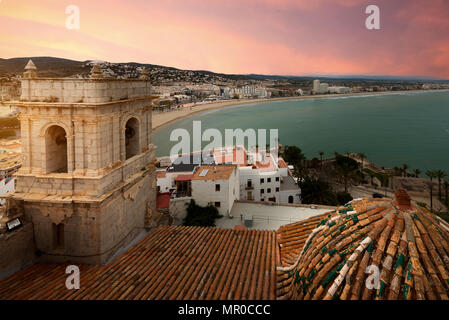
(324, 87)
(7, 185)
(262, 175)
(216, 185)
(246, 92)
(339, 90)
(316, 86)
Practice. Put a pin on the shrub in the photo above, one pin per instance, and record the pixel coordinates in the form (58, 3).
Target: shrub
(201, 216)
(343, 197)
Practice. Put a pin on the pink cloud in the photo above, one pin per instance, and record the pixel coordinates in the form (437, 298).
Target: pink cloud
(295, 37)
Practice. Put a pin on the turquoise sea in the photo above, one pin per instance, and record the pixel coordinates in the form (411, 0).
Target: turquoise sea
(391, 129)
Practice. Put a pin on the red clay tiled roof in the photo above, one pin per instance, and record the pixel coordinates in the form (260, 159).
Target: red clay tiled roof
(282, 163)
(408, 244)
(163, 200)
(291, 237)
(169, 263)
(184, 177)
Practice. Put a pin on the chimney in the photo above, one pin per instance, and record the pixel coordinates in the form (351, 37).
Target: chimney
(403, 199)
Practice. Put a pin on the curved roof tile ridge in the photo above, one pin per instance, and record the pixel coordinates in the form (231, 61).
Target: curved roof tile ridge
(371, 249)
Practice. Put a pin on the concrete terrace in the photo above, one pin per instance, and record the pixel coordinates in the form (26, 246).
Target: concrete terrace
(268, 216)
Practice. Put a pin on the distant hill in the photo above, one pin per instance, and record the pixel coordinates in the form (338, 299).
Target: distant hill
(58, 67)
(47, 66)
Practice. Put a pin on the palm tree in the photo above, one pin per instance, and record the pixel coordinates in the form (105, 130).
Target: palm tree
(440, 174)
(431, 174)
(417, 172)
(404, 169)
(321, 153)
(346, 167)
(362, 157)
(385, 179)
(446, 189)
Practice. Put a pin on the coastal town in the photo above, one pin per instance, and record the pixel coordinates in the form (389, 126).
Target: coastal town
(81, 185)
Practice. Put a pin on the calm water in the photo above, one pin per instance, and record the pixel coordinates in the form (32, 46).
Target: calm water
(391, 130)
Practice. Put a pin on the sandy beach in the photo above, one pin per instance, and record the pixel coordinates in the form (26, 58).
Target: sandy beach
(164, 118)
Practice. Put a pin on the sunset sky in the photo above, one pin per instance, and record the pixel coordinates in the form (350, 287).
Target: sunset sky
(288, 37)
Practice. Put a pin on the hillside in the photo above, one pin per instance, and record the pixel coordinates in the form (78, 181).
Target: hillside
(58, 67)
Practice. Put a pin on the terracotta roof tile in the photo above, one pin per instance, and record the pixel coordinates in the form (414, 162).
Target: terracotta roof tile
(408, 244)
(210, 172)
(169, 263)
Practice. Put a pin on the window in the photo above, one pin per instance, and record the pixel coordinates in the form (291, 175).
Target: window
(249, 183)
(217, 187)
(262, 180)
(277, 189)
(268, 180)
(262, 199)
(269, 190)
(277, 179)
(290, 199)
(262, 191)
(217, 204)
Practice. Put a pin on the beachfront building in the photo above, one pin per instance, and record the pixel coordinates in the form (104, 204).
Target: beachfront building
(324, 87)
(316, 86)
(339, 90)
(246, 92)
(217, 186)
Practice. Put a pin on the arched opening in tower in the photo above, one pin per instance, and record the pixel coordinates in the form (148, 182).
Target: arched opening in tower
(56, 150)
(132, 138)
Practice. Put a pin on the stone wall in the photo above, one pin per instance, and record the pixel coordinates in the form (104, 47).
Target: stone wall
(93, 232)
(16, 249)
(82, 90)
(177, 210)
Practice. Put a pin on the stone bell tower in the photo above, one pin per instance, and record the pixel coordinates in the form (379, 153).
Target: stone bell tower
(88, 181)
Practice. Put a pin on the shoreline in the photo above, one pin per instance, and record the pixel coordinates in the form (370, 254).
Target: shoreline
(160, 120)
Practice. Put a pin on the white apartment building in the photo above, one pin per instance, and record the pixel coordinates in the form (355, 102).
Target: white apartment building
(316, 86)
(267, 178)
(339, 90)
(217, 185)
(246, 92)
(324, 87)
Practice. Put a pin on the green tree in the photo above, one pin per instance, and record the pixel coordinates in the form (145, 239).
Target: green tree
(343, 198)
(405, 167)
(385, 181)
(431, 174)
(201, 216)
(346, 167)
(446, 188)
(321, 153)
(440, 174)
(293, 155)
(317, 192)
(417, 172)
